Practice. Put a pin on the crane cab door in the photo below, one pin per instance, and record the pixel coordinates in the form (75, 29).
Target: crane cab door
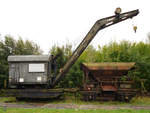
(14, 73)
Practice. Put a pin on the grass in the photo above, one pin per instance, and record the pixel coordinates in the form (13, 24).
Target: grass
(69, 98)
(7, 99)
(38, 110)
(140, 101)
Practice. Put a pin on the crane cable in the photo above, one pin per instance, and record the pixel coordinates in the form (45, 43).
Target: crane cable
(134, 26)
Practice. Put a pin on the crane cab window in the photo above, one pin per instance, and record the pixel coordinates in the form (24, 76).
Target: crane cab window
(37, 67)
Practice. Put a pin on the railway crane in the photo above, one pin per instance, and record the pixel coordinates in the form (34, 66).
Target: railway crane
(31, 75)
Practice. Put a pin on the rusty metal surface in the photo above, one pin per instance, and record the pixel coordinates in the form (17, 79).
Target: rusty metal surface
(109, 66)
(105, 79)
(109, 88)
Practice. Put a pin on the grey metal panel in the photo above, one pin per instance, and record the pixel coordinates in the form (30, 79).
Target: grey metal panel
(26, 58)
(21, 70)
(31, 77)
(13, 72)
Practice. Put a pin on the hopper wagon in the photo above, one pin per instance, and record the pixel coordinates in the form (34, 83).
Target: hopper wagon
(108, 81)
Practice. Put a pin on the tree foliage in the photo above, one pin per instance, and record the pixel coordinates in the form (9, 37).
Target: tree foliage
(10, 46)
(124, 51)
(74, 77)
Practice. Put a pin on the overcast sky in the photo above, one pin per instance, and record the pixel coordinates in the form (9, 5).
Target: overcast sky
(49, 22)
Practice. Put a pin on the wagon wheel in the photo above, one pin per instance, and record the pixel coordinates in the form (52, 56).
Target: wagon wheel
(124, 97)
(90, 97)
(85, 97)
(19, 98)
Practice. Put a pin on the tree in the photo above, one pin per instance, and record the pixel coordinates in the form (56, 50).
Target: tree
(10, 46)
(74, 77)
(129, 52)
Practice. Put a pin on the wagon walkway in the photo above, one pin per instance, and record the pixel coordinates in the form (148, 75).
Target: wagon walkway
(71, 106)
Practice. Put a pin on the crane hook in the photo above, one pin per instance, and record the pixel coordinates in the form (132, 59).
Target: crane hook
(135, 28)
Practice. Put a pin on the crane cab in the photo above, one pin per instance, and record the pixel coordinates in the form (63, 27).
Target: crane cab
(29, 71)
(30, 76)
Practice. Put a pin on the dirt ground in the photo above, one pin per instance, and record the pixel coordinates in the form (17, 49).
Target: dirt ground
(70, 106)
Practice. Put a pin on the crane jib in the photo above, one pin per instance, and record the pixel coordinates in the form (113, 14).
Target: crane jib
(99, 25)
